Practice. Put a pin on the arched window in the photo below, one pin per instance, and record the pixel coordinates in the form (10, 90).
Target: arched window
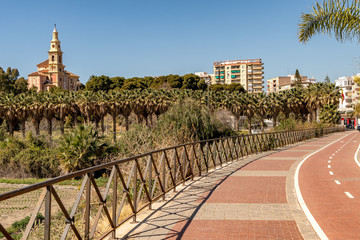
(59, 59)
(53, 58)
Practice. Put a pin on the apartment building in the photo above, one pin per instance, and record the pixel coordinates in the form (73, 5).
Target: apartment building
(350, 92)
(278, 84)
(248, 73)
(205, 76)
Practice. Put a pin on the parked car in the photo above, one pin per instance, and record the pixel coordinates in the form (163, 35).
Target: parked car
(349, 126)
(358, 128)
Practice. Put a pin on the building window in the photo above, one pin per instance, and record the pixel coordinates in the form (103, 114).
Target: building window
(59, 59)
(53, 58)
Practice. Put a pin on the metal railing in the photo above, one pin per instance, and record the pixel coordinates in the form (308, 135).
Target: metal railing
(135, 183)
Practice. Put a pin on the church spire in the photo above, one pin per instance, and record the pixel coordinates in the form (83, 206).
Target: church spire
(55, 34)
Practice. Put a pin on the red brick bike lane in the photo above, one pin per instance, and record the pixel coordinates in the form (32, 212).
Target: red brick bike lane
(251, 203)
(329, 182)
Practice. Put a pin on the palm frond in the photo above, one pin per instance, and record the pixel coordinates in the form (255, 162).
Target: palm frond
(340, 18)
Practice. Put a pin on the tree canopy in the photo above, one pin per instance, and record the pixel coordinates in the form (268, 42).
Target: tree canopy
(10, 81)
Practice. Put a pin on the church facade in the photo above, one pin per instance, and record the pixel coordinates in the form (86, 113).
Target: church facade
(51, 72)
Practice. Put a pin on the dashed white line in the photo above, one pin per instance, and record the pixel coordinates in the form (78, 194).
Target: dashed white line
(329, 161)
(337, 182)
(349, 195)
(329, 166)
(301, 201)
(333, 154)
(330, 157)
(331, 173)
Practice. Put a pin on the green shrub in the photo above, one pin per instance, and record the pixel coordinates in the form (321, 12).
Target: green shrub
(190, 121)
(81, 148)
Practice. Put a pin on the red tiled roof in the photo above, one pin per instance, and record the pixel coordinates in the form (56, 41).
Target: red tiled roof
(44, 63)
(71, 74)
(34, 74)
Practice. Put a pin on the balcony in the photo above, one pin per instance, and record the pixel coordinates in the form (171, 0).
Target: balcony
(258, 68)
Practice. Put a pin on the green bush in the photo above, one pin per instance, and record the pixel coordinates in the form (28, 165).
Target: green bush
(80, 148)
(30, 157)
(189, 121)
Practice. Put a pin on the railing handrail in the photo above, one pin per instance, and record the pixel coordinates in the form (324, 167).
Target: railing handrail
(58, 179)
(152, 175)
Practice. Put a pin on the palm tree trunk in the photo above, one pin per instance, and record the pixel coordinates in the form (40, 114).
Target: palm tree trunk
(11, 128)
(75, 116)
(237, 124)
(62, 124)
(138, 116)
(49, 123)
(36, 124)
(22, 125)
(102, 125)
(274, 120)
(249, 120)
(127, 122)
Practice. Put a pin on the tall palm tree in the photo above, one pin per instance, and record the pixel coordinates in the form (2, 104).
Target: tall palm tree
(36, 110)
(274, 106)
(9, 112)
(64, 101)
(49, 110)
(22, 111)
(340, 18)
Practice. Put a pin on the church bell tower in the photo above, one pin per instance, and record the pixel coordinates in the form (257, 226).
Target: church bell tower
(56, 68)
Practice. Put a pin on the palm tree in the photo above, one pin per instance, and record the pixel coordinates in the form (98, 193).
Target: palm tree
(22, 111)
(126, 103)
(49, 110)
(274, 106)
(36, 110)
(62, 108)
(8, 107)
(338, 17)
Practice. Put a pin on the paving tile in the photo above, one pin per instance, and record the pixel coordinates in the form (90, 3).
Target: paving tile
(266, 165)
(237, 229)
(248, 189)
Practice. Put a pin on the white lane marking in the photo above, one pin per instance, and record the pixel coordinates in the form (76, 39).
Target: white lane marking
(333, 154)
(330, 157)
(301, 201)
(342, 141)
(339, 149)
(337, 182)
(354, 141)
(329, 166)
(336, 151)
(329, 161)
(355, 156)
(331, 173)
(349, 195)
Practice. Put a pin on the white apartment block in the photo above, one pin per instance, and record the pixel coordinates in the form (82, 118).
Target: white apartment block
(279, 84)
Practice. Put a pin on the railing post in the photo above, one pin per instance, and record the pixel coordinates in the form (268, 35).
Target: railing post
(47, 223)
(135, 193)
(175, 168)
(164, 174)
(150, 181)
(114, 204)
(87, 207)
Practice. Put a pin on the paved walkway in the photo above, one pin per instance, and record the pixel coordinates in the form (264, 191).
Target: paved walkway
(253, 198)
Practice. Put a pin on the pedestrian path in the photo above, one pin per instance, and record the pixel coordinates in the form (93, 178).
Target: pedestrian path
(253, 198)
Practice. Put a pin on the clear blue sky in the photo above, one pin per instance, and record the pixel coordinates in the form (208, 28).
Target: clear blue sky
(150, 38)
